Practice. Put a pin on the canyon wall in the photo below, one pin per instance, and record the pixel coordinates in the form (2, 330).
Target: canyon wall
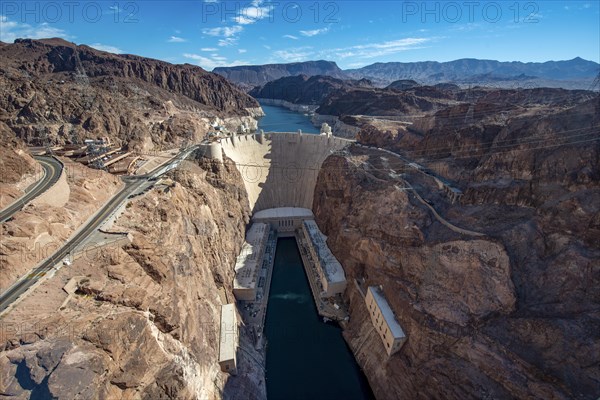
(497, 316)
(141, 320)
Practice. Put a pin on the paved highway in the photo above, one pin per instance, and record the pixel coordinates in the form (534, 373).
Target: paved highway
(132, 184)
(52, 170)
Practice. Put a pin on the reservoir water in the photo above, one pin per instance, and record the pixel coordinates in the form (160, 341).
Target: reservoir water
(279, 119)
(306, 358)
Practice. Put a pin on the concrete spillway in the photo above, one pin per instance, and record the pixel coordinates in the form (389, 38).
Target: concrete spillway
(279, 169)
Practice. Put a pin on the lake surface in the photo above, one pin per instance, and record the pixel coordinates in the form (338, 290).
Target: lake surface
(306, 358)
(280, 119)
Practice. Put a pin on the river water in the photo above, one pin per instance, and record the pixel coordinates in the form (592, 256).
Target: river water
(306, 358)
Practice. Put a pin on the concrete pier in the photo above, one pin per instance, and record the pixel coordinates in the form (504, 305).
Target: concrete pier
(254, 311)
(325, 306)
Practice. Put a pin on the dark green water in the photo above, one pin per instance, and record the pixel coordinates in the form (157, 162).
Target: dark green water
(306, 358)
(279, 119)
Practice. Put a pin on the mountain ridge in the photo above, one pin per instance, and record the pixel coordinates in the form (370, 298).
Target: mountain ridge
(576, 73)
(249, 76)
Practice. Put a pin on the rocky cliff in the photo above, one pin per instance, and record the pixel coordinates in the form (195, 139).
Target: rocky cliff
(508, 311)
(17, 168)
(141, 320)
(57, 92)
(303, 89)
(384, 102)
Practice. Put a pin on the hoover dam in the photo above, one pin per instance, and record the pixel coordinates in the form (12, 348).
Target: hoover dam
(279, 169)
(286, 275)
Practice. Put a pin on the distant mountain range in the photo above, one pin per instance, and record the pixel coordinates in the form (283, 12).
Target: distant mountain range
(255, 75)
(459, 70)
(575, 73)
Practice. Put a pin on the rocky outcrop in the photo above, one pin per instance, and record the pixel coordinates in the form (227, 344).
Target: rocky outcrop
(339, 128)
(303, 89)
(17, 168)
(54, 91)
(506, 315)
(144, 320)
(402, 84)
(382, 102)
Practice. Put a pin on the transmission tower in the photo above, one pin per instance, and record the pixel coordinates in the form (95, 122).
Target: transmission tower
(596, 83)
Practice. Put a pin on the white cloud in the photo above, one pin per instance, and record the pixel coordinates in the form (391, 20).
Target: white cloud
(209, 49)
(393, 44)
(314, 32)
(211, 1)
(252, 13)
(107, 48)
(176, 39)
(227, 42)
(209, 63)
(291, 37)
(242, 51)
(266, 46)
(379, 49)
(293, 54)
(225, 31)
(11, 30)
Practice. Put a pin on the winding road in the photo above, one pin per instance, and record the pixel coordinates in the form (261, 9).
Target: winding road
(133, 185)
(52, 170)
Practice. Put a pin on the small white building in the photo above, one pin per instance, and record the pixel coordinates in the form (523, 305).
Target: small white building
(384, 321)
(229, 339)
(249, 262)
(329, 269)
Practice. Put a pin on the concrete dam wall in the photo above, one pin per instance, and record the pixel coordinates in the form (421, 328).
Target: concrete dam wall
(279, 169)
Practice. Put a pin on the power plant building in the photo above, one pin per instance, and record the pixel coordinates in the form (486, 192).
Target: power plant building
(229, 339)
(249, 262)
(285, 220)
(329, 269)
(384, 321)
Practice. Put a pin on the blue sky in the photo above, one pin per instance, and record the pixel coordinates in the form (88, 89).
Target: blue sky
(213, 33)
